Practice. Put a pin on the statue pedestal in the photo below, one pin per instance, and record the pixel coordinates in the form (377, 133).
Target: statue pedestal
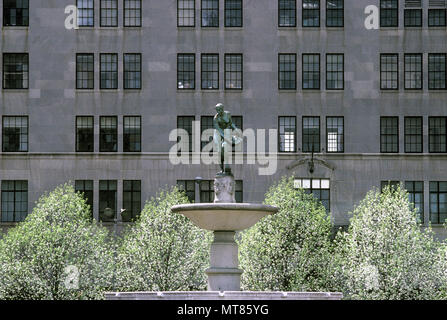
(224, 189)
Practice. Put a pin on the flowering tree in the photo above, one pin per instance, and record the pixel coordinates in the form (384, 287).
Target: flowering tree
(164, 251)
(386, 255)
(57, 252)
(291, 250)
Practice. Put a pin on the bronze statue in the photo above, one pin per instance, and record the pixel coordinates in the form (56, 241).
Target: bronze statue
(222, 142)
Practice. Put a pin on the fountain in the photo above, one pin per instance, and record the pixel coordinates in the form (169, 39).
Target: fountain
(224, 217)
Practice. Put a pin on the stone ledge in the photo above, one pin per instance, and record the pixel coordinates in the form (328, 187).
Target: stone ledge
(227, 295)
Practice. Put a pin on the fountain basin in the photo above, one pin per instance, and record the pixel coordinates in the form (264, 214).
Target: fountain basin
(224, 216)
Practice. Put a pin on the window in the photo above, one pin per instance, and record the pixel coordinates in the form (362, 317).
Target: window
(437, 71)
(413, 71)
(186, 71)
(287, 134)
(14, 200)
(109, 13)
(86, 17)
(185, 123)
(186, 13)
(132, 71)
(15, 13)
(311, 13)
(389, 13)
(132, 134)
(287, 13)
(389, 134)
(15, 70)
(413, 17)
(311, 134)
(84, 134)
(335, 134)
(239, 191)
(108, 134)
(436, 18)
(413, 134)
(107, 200)
(131, 200)
(415, 191)
(207, 191)
(85, 187)
(319, 188)
(189, 187)
(335, 74)
(335, 13)
(392, 184)
(210, 71)
(233, 13)
(437, 134)
(287, 71)
(210, 13)
(132, 13)
(389, 71)
(311, 71)
(438, 202)
(206, 122)
(15, 134)
(233, 71)
(109, 71)
(85, 71)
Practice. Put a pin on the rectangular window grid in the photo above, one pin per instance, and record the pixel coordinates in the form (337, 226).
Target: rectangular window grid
(233, 13)
(85, 74)
(206, 122)
(437, 71)
(436, 18)
(311, 71)
(287, 13)
(389, 71)
(210, 71)
(389, 13)
(84, 134)
(335, 75)
(14, 200)
(132, 13)
(413, 71)
(413, 17)
(233, 71)
(15, 134)
(16, 13)
(131, 200)
(311, 134)
(109, 13)
(287, 71)
(85, 187)
(132, 134)
(107, 200)
(415, 191)
(186, 71)
(207, 191)
(15, 70)
(437, 134)
(389, 134)
(132, 71)
(185, 123)
(189, 187)
(311, 13)
(335, 134)
(108, 134)
(319, 188)
(86, 17)
(210, 13)
(186, 10)
(109, 70)
(335, 13)
(287, 134)
(438, 202)
(413, 134)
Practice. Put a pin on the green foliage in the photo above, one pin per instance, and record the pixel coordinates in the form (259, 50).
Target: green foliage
(57, 234)
(164, 251)
(291, 250)
(386, 255)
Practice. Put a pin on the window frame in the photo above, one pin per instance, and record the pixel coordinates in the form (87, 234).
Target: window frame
(108, 10)
(342, 135)
(382, 71)
(101, 146)
(182, 185)
(328, 72)
(311, 189)
(190, 136)
(241, 56)
(303, 135)
(437, 193)
(295, 143)
(421, 135)
(303, 11)
(226, 25)
(15, 191)
(338, 9)
(101, 196)
(140, 71)
(4, 73)
(27, 133)
(79, 17)
(76, 133)
(288, 10)
(101, 86)
(202, 72)
(432, 10)
(397, 134)
(430, 73)
(406, 18)
(140, 24)
(421, 71)
(178, 70)
(134, 190)
(194, 14)
(83, 190)
(430, 135)
(125, 150)
(382, 11)
(92, 71)
(294, 71)
(303, 72)
(6, 9)
(202, 10)
(413, 193)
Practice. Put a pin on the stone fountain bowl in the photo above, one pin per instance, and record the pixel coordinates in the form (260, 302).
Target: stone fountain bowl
(224, 216)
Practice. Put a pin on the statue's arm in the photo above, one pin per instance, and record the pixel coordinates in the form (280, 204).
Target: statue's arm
(219, 129)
